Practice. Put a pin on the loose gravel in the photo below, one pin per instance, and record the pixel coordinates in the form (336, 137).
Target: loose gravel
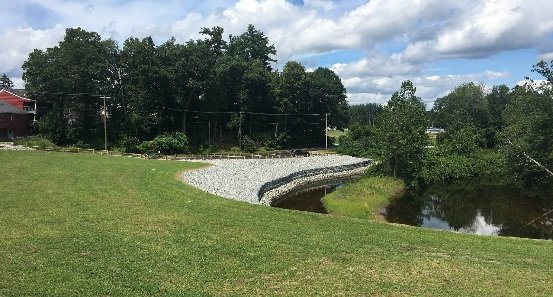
(242, 179)
(8, 146)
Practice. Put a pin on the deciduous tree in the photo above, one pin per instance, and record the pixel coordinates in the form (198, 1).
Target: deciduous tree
(401, 134)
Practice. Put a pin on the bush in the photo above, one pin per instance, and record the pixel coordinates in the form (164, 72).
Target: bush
(129, 144)
(248, 145)
(41, 142)
(168, 143)
(440, 167)
(279, 142)
(207, 149)
(359, 142)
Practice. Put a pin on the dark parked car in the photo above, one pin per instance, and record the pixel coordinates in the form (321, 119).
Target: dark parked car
(300, 152)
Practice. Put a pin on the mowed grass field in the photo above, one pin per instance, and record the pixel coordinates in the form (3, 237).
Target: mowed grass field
(92, 225)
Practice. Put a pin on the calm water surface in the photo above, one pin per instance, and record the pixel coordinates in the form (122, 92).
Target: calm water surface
(307, 200)
(472, 207)
(466, 206)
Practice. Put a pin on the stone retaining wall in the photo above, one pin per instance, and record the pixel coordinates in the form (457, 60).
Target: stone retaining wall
(270, 192)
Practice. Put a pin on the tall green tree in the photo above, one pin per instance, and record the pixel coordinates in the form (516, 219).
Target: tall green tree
(545, 69)
(328, 95)
(528, 136)
(66, 75)
(497, 101)
(364, 114)
(252, 45)
(468, 100)
(142, 84)
(292, 89)
(461, 137)
(401, 134)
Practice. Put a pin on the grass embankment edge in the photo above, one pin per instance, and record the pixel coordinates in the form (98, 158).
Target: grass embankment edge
(365, 197)
(91, 225)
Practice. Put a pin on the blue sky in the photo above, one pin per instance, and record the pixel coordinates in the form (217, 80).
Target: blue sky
(373, 45)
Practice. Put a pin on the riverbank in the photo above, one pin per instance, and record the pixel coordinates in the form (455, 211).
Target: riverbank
(364, 197)
(242, 180)
(70, 227)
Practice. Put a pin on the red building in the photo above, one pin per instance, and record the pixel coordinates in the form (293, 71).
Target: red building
(16, 113)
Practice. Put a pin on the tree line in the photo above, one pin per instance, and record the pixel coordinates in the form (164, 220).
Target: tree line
(215, 90)
(504, 132)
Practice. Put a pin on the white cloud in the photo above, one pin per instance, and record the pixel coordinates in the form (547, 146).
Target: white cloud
(17, 43)
(486, 28)
(398, 38)
(546, 57)
(373, 87)
(323, 4)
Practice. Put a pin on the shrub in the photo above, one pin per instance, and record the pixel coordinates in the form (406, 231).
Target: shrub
(129, 144)
(207, 149)
(279, 142)
(248, 145)
(440, 167)
(41, 142)
(147, 147)
(168, 143)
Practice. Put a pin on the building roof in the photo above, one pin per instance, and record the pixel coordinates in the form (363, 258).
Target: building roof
(7, 108)
(19, 93)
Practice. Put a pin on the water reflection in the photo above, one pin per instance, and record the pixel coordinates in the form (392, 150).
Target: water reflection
(473, 207)
(307, 200)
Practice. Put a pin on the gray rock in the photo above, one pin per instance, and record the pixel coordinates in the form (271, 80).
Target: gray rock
(242, 179)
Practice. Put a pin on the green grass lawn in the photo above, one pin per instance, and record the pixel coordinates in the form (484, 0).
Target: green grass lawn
(110, 226)
(364, 197)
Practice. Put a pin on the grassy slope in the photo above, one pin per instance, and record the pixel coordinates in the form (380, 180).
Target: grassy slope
(92, 225)
(363, 198)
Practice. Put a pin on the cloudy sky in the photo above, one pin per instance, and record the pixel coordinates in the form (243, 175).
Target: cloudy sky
(373, 45)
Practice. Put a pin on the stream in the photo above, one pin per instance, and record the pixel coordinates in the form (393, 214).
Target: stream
(468, 206)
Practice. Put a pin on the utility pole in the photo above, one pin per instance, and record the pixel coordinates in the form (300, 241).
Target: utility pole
(240, 131)
(326, 131)
(105, 113)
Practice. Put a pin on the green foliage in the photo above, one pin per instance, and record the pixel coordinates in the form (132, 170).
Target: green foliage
(364, 114)
(442, 166)
(468, 104)
(5, 82)
(248, 145)
(468, 98)
(328, 95)
(401, 135)
(81, 64)
(461, 137)
(278, 142)
(252, 45)
(168, 143)
(207, 149)
(35, 141)
(497, 101)
(529, 134)
(153, 87)
(359, 142)
(129, 144)
(545, 69)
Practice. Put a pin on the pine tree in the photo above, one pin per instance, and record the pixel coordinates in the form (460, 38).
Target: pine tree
(5, 82)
